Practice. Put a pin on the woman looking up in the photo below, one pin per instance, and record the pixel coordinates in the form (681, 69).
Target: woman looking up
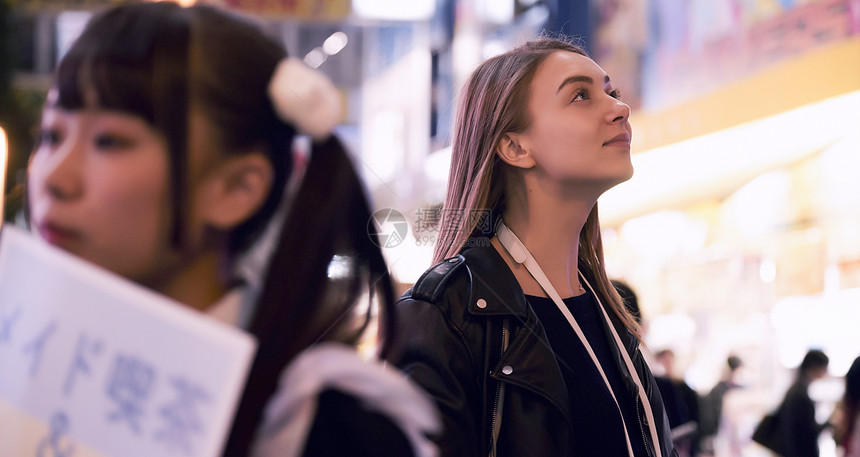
(517, 332)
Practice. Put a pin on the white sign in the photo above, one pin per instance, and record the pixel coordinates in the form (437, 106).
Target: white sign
(93, 365)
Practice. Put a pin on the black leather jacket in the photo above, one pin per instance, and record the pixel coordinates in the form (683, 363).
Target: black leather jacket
(449, 341)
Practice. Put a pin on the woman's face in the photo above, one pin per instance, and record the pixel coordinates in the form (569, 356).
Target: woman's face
(98, 188)
(579, 132)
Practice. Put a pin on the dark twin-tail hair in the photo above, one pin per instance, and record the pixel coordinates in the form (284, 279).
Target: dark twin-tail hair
(299, 304)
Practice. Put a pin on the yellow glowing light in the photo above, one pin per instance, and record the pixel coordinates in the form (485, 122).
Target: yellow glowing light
(675, 174)
(3, 160)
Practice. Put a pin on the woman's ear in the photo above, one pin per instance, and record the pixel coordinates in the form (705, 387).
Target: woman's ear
(511, 150)
(236, 190)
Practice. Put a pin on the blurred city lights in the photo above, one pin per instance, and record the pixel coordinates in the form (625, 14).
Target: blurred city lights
(331, 46)
(495, 11)
(315, 58)
(340, 267)
(767, 271)
(335, 43)
(394, 10)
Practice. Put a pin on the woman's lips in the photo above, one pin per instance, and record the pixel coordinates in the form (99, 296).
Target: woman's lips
(619, 140)
(56, 234)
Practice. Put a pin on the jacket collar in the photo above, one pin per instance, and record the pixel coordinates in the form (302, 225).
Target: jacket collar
(493, 281)
(495, 291)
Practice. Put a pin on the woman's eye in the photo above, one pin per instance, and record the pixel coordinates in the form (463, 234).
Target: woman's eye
(49, 137)
(580, 94)
(110, 142)
(615, 93)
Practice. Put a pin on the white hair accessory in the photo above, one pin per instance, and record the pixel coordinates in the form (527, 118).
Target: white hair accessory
(305, 98)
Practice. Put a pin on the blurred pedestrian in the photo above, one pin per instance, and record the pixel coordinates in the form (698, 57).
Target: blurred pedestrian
(681, 402)
(711, 408)
(797, 429)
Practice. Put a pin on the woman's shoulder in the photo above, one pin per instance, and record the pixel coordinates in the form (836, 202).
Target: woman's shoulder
(476, 282)
(433, 283)
(328, 400)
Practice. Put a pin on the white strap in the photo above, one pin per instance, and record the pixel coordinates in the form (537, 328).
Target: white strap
(521, 254)
(649, 413)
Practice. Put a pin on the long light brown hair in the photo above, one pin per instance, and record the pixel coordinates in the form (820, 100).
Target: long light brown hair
(492, 103)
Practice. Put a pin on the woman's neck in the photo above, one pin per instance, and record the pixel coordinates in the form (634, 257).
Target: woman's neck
(550, 229)
(196, 283)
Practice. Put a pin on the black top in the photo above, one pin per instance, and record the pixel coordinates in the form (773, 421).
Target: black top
(343, 426)
(594, 413)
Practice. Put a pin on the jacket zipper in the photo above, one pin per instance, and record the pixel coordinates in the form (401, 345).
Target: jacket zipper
(642, 429)
(498, 389)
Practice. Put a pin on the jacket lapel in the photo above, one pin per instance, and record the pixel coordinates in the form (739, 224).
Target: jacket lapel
(496, 292)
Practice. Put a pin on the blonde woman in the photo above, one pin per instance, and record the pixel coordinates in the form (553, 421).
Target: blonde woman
(517, 332)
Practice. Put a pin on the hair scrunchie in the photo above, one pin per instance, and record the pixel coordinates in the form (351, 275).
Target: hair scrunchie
(305, 98)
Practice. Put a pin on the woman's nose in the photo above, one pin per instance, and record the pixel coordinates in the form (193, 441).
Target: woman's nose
(62, 174)
(620, 111)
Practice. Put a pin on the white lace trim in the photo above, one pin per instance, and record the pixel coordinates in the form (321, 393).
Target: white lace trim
(290, 413)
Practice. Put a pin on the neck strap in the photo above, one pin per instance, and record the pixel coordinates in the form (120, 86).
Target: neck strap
(521, 255)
